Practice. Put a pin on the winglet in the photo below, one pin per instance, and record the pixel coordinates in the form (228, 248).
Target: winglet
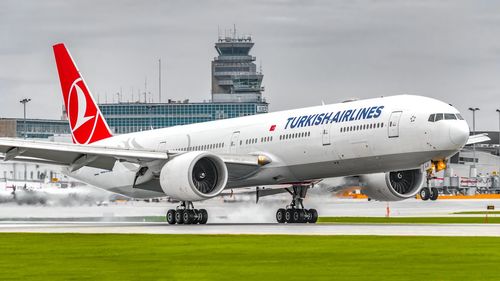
(85, 119)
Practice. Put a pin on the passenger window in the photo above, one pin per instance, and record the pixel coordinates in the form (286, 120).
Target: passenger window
(450, 116)
(431, 118)
(439, 116)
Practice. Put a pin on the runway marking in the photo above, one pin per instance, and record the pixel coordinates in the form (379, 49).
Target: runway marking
(492, 230)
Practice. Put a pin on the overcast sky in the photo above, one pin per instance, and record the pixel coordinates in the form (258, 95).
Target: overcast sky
(311, 51)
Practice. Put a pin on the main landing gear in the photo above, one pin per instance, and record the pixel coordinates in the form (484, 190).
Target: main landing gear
(295, 212)
(185, 213)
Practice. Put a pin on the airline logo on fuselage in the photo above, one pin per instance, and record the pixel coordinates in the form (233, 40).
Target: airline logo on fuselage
(331, 117)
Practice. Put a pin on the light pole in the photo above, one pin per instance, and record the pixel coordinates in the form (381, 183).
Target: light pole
(498, 150)
(24, 102)
(473, 167)
(498, 110)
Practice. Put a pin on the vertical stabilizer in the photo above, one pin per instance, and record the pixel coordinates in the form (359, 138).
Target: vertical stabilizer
(85, 119)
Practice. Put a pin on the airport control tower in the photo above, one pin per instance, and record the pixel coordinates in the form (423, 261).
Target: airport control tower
(234, 74)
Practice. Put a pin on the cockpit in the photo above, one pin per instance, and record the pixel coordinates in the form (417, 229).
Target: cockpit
(435, 117)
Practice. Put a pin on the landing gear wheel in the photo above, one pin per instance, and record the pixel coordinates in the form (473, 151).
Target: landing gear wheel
(288, 216)
(295, 212)
(296, 215)
(425, 193)
(187, 214)
(434, 194)
(179, 216)
(203, 216)
(313, 216)
(188, 217)
(171, 216)
(280, 215)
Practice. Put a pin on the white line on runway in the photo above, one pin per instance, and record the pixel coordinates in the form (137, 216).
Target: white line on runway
(289, 229)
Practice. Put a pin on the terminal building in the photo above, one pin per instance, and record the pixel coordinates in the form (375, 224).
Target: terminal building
(32, 128)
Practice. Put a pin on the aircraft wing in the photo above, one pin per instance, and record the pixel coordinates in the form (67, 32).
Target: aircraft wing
(478, 138)
(74, 156)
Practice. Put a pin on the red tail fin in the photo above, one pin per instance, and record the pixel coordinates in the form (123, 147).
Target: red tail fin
(85, 119)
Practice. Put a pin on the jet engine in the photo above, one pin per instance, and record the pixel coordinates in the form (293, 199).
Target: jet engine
(194, 176)
(392, 186)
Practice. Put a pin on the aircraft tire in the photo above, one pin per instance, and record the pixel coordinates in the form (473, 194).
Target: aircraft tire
(280, 215)
(425, 193)
(314, 216)
(288, 216)
(188, 217)
(179, 217)
(296, 215)
(434, 194)
(203, 216)
(171, 216)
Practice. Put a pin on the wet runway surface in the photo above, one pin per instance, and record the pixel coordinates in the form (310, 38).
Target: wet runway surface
(258, 228)
(246, 217)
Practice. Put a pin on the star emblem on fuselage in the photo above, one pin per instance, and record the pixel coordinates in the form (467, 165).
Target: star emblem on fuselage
(412, 119)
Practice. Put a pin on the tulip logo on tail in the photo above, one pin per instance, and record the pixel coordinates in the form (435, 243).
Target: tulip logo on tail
(85, 119)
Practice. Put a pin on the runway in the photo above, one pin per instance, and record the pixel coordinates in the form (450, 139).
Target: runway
(246, 217)
(492, 230)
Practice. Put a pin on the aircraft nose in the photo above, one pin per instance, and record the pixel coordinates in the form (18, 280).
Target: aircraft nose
(459, 133)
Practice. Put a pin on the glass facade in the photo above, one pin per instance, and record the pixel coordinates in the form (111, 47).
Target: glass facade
(41, 128)
(125, 118)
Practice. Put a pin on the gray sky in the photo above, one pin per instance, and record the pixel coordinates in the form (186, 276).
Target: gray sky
(311, 51)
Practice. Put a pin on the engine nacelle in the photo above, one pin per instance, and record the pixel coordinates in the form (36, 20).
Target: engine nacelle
(392, 186)
(194, 176)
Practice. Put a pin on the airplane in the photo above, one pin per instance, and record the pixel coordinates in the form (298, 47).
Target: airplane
(388, 140)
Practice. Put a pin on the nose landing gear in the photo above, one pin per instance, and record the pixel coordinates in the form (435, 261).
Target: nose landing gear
(295, 212)
(185, 213)
(427, 192)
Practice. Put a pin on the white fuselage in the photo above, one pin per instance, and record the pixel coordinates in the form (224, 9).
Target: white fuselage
(377, 135)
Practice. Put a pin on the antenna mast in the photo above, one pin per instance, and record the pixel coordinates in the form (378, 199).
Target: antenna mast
(159, 80)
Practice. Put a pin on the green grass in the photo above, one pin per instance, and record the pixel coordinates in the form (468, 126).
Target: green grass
(245, 257)
(450, 219)
(478, 213)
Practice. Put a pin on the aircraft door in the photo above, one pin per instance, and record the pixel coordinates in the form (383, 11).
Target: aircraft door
(162, 146)
(393, 126)
(234, 143)
(325, 135)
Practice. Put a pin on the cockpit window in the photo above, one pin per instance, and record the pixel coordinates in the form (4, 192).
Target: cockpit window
(450, 116)
(444, 116)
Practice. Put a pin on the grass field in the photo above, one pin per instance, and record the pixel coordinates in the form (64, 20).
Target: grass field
(450, 219)
(478, 213)
(245, 257)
